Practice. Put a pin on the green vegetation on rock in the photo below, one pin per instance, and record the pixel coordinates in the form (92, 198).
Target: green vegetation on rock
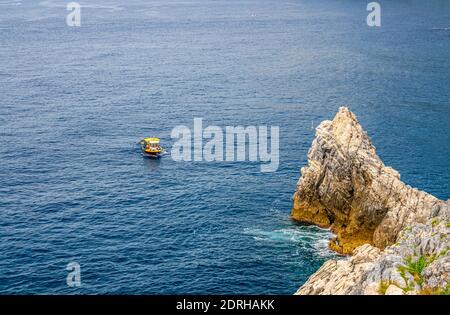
(384, 285)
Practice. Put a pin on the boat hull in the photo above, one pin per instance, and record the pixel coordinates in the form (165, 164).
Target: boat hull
(153, 155)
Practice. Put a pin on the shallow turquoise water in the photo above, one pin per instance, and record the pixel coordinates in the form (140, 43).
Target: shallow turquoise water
(74, 102)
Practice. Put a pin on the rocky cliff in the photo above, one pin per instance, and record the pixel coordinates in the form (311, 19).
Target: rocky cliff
(397, 234)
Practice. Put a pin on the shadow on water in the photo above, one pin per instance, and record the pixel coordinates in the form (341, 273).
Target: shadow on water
(151, 164)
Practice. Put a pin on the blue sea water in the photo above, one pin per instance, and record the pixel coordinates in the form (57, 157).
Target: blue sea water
(75, 101)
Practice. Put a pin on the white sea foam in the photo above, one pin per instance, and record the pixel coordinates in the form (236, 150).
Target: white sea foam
(305, 238)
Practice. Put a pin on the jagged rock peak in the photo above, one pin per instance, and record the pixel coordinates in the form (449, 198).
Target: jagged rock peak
(398, 235)
(347, 187)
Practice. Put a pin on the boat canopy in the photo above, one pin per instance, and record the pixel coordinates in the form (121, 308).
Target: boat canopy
(152, 140)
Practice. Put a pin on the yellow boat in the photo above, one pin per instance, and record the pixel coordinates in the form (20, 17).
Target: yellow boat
(150, 147)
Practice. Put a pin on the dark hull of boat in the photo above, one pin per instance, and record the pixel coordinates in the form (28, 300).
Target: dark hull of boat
(151, 155)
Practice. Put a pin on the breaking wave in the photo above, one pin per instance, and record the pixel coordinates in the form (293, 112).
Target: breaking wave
(305, 238)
